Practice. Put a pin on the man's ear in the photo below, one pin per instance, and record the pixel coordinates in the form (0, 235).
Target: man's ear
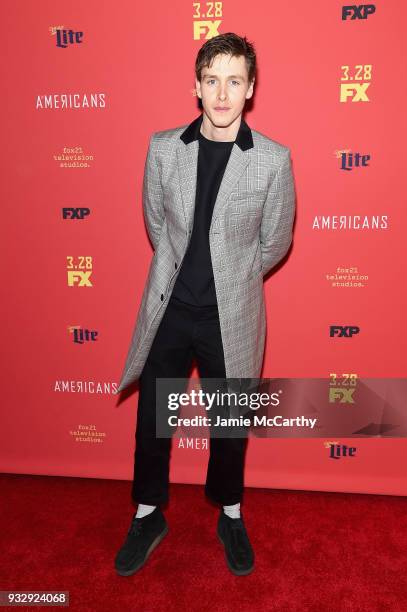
(198, 88)
(250, 91)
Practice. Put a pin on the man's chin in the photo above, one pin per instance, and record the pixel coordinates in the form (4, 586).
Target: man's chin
(221, 119)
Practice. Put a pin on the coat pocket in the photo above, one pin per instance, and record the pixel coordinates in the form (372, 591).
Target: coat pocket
(248, 195)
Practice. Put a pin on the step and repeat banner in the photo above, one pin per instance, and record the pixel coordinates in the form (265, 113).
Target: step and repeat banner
(85, 85)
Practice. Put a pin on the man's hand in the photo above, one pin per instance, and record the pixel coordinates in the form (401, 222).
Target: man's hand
(278, 216)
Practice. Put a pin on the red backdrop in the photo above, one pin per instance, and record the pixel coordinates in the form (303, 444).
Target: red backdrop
(77, 115)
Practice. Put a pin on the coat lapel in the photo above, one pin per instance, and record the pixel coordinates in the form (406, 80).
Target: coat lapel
(187, 159)
(237, 162)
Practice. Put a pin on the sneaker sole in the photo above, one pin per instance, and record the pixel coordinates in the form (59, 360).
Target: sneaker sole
(153, 545)
(232, 569)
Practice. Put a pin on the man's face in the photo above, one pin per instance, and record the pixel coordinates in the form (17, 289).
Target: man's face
(224, 85)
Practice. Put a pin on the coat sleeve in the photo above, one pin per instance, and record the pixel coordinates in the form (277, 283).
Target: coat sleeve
(278, 216)
(153, 206)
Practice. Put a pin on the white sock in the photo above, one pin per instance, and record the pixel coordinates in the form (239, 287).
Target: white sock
(144, 509)
(232, 511)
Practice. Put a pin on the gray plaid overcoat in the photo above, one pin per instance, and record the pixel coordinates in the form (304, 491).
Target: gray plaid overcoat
(251, 230)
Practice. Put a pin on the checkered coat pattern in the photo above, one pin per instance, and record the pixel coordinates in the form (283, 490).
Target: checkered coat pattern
(250, 232)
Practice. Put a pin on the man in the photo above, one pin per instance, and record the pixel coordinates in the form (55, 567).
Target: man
(218, 200)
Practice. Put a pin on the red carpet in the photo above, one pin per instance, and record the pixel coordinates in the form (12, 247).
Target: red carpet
(314, 551)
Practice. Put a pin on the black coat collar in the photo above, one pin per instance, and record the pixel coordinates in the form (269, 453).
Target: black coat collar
(243, 139)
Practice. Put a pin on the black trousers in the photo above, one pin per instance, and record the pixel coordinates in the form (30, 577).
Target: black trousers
(185, 332)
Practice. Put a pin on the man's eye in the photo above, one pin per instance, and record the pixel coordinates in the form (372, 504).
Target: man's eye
(213, 80)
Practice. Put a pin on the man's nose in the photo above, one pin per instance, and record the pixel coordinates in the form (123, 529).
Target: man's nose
(222, 92)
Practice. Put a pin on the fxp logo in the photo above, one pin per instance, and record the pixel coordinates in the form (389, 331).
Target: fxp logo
(361, 11)
(343, 331)
(75, 213)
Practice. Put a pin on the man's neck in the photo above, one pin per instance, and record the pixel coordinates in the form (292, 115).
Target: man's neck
(221, 134)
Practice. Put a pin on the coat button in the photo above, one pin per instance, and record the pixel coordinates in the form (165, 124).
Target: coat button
(176, 265)
(162, 297)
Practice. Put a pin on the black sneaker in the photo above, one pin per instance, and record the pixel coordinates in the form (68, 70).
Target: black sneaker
(238, 550)
(143, 536)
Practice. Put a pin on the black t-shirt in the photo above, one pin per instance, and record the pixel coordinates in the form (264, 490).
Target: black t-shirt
(195, 284)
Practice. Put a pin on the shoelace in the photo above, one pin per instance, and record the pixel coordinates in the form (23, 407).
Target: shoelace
(135, 528)
(238, 535)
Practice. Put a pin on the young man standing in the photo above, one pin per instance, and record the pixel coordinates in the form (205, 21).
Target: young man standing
(218, 200)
